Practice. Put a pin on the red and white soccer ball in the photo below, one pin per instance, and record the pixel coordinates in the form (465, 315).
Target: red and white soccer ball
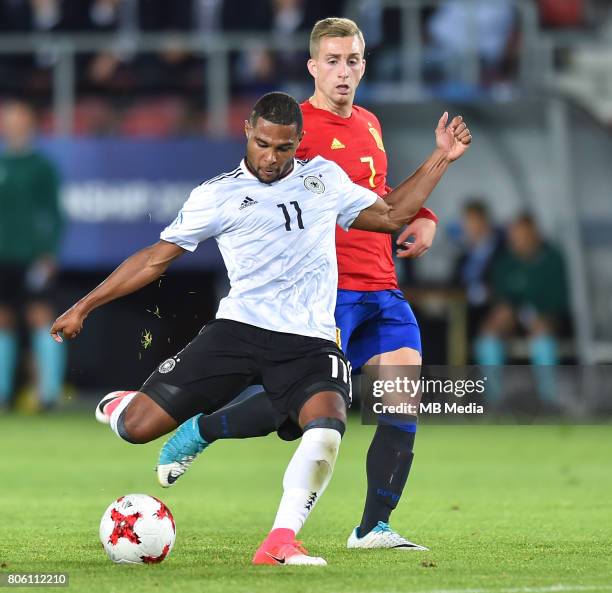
(137, 529)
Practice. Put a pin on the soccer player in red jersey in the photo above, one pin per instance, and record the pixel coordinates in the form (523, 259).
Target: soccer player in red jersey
(351, 136)
(376, 326)
(375, 323)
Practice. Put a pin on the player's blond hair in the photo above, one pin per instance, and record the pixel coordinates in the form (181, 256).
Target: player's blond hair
(333, 27)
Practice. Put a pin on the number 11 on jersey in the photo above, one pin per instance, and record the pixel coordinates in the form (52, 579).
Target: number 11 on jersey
(298, 211)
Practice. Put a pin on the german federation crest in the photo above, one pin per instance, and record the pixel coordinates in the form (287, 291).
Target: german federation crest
(314, 184)
(167, 365)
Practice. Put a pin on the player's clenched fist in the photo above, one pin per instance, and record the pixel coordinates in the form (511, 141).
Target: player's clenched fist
(453, 139)
(67, 325)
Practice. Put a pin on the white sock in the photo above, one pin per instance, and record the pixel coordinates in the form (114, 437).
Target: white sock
(117, 412)
(307, 476)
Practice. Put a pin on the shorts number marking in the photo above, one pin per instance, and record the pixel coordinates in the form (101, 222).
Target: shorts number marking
(338, 362)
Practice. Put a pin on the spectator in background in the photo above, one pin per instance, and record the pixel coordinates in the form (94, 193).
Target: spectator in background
(106, 16)
(128, 18)
(253, 71)
(30, 229)
(40, 15)
(260, 70)
(22, 71)
(481, 244)
(530, 294)
(459, 27)
(292, 17)
(289, 19)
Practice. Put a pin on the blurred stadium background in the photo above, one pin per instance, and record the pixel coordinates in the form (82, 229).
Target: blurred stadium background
(137, 101)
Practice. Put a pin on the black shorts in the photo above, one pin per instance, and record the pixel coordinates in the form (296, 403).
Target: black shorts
(227, 356)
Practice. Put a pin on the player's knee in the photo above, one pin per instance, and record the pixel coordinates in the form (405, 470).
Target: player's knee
(327, 404)
(132, 426)
(126, 427)
(140, 420)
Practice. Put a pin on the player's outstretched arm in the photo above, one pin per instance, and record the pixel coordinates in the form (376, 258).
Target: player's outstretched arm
(138, 270)
(402, 204)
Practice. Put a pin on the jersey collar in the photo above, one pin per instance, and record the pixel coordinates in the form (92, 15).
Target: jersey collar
(330, 114)
(250, 175)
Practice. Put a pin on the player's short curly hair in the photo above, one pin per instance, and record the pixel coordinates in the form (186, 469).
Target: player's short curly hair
(333, 27)
(278, 108)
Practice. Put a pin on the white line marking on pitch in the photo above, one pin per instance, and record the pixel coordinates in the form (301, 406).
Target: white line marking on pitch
(549, 589)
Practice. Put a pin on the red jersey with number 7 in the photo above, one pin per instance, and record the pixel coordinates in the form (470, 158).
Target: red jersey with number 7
(365, 260)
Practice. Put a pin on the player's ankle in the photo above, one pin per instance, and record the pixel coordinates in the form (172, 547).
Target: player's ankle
(280, 535)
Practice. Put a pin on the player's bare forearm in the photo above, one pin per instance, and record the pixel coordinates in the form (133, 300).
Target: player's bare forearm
(403, 203)
(138, 270)
(408, 197)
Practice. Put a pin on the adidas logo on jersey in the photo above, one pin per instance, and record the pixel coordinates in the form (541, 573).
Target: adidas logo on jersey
(336, 144)
(247, 202)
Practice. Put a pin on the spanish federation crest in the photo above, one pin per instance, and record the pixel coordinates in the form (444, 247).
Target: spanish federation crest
(314, 184)
(376, 136)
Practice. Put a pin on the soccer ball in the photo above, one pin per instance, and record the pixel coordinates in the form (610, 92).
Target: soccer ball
(137, 529)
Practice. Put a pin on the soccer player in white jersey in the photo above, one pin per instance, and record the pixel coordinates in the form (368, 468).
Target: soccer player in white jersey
(274, 220)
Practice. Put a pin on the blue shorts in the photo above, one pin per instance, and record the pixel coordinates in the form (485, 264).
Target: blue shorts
(371, 323)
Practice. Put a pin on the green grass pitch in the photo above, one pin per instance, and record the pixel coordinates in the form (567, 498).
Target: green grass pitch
(503, 508)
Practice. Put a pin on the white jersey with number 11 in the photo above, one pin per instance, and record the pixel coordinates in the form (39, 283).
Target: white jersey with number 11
(277, 241)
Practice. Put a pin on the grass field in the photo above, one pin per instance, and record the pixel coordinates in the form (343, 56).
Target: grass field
(503, 508)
